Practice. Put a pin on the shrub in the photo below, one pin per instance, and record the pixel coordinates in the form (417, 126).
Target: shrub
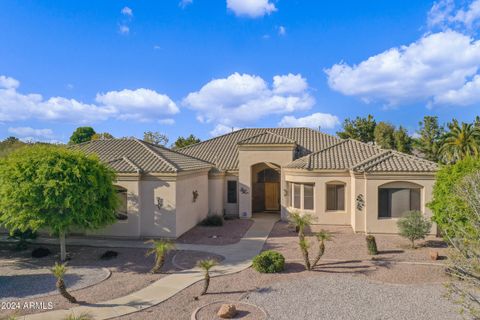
(269, 262)
(40, 252)
(213, 220)
(414, 226)
(22, 238)
(109, 254)
(371, 245)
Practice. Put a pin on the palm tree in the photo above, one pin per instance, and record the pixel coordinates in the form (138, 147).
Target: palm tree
(301, 222)
(322, 236)
(460, 142)
(206, 265)
(59, 271)
(160, 249)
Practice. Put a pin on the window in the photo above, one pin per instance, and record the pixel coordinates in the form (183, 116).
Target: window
(232, 191)
(122, 195)
(296, 195)
(335, 197)
(268, 175)
(302, 196)
(394, 202)
(308, 197)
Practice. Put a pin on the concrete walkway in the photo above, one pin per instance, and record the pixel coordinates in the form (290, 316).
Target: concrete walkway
(238, 257)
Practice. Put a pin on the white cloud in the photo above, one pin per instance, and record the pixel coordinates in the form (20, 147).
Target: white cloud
(469, 94)
(184, 3)
(445, 14)
(222, 129)
(141, 104)
(315, 120)
(167, 121)
(282, 31)
(242, 98)
(124, 29)
(28, 131)
(251, 8)
(126, 11)
(421, 71)
(156, 47)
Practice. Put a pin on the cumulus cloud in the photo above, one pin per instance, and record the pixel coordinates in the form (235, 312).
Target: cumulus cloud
(240, 99)
(221, 129)
(315, 121)
(467, 95)
(420, 71)
(446, 14)
(140, 104)
(126, 11)
(184, 3)
(28, 131)
(251, 8)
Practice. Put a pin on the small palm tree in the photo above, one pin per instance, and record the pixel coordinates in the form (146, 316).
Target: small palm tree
(160, 249)
(322, 236)
(59, 271)
(301, 222)
(461, 141)
(206, 265)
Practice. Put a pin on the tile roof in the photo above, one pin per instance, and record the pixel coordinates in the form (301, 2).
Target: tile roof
(362, 157)
(223, 150)
(134, 156)
(266, 137)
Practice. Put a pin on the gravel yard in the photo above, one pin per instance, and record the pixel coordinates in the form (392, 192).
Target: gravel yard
(231, 232)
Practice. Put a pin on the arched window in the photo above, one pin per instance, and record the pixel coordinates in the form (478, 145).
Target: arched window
(397, 198)
(268, 175)
(122, 212)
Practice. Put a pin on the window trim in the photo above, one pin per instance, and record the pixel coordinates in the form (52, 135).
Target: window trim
(336, 183)
(302, 195)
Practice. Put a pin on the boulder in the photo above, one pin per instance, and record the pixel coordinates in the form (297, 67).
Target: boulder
(227, 311)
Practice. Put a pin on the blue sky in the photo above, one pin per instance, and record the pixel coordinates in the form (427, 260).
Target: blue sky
(204, 67)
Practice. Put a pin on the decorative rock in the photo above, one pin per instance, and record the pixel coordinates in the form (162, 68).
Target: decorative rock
(110, 254)
(227, 311)
(434, 255)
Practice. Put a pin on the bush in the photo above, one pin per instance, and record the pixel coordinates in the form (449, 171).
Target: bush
(269, 262)
(213, 220)
(414, 226)
(371, 245)
(40, 252)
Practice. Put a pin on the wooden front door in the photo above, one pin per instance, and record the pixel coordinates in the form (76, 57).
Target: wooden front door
(272, 196)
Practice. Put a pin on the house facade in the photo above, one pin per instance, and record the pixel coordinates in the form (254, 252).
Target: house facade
(277, 170)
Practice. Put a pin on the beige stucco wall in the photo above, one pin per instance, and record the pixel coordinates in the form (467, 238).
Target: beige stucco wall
(320, 179)
(389, 225)
(251, 155)
(188, 212)
(216, 192)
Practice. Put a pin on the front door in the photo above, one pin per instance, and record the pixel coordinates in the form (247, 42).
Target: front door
(272, 196)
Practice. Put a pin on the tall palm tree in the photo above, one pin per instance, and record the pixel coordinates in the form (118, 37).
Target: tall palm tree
(301, 222)
(160, 249)
(460, 142)
(59, 271)
(322, 236)
(206, 265)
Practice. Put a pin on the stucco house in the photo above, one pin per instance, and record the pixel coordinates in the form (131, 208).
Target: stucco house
(338, 181)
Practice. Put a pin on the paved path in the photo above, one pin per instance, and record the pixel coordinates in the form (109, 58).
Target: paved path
(238, 257)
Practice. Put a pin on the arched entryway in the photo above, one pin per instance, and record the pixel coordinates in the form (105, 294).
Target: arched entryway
(265, 187)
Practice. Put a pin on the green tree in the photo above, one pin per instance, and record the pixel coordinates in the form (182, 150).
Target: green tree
(182, 142)
(414, 226)
(206, 265)
(59, 271)
(322, 236)
(403, 142)
(160, 249)
(361, 129)
(300, 222)
(55, 188)
(447, 207)
(155, 137)
(430, 138)
(102, 136)
(384, 135)
(460, 141)
(82, 134)
(9, 145)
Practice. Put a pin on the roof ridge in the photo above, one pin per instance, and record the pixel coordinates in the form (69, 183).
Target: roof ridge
(279, 135)
(174, 151)
(376, 159)
(130, 162)
(266, 132)
(413, 157)
(309, 156)
(211, 139)
(146, 146)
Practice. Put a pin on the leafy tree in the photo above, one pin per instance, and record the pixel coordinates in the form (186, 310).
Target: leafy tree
(464, 256)
(82, 134)
(359, 129)
(160, 249)
(102, 136)
(206, 265)
(384, 135)
(9, 145)
(430, 138)
(414, 226)
(403, 142)
(447, 207)
(55, 188)
(59, 271)
(156, 138)
(460, 141)
(182, 142)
